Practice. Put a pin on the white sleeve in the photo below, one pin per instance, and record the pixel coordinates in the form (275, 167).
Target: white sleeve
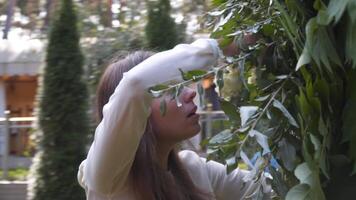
(231, 186)
(118, 135)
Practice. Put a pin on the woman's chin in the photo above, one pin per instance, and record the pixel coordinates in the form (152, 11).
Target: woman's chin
(195, 129)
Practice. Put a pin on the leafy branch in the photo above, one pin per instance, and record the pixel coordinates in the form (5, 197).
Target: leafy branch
(260, 115)
(161, 89)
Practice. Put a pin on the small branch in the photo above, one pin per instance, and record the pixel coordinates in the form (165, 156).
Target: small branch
(268, 104)
(190, 81)
(261, 114)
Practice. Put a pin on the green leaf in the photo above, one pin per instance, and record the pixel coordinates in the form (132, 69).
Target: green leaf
(278, 184)
(323, 18)
(318, 4)
(306, 149)
(178, 91)
(304, 174)
(201, 92)
(261, 139)
(303, 59)
(351, 7)
(219, 77)
(287, 153)
(311, 178)
(158, 87)
(221, 32)
(225, 41)
(183, 74)
(322, 89)
(322, 128)
(291, 26)
(246, 112)
(245, 159)
(303, 105)
(285, 112)
(192, 75)
(320, 46)
(299, 192)
(163, 107)
(314, 101)
(196, 74)
(221, 138)
(263, 98)
(242, 72)
(323, 163)
(230, 110)
(156, 90)
(350, 43)
(317, 146)
(217, 3)
(226, 18)
(336, 9)
(268, 30)
(231, 164)
(216, 12)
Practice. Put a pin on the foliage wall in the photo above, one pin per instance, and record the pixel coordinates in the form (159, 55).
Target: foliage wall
(290, 94)
(293, 98)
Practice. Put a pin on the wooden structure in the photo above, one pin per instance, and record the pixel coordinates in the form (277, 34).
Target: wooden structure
(20, 63)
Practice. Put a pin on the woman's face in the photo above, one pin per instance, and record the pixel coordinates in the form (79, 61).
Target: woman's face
(178, 123)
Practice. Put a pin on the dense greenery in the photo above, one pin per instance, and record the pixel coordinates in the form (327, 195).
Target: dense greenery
(290, 94)
(300, 76)
(62, 113)
(161, 30)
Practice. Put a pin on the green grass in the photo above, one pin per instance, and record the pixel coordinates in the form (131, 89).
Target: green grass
(18, 174)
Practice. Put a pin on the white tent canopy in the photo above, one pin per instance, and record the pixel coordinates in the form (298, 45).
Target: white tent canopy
(21, 57)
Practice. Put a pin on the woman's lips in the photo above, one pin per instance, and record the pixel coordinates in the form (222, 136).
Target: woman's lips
(192, 112)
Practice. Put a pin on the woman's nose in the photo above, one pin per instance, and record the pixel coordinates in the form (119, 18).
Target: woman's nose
(188, 95)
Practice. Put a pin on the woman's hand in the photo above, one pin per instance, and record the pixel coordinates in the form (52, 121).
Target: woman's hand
(234, 48)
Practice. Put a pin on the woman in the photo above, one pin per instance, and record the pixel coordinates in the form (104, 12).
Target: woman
(133, 154)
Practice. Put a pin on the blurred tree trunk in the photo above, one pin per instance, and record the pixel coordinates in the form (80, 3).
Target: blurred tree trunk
(47, 18)
(105, 12)
(122, 13)
(32, 10)
(9, 13)
(50, 10)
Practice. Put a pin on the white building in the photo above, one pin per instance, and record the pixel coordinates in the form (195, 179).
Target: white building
(20, 63)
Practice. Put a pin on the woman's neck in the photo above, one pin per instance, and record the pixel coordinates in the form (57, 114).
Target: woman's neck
(163, 151)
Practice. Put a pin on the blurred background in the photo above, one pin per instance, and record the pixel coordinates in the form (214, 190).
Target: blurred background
(31, 37)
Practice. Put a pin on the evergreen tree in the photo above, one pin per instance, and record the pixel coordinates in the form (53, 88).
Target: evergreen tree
(62, 114)
(161, 30)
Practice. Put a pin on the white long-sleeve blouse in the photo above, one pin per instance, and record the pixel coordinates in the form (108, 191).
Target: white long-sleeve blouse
(104, 173)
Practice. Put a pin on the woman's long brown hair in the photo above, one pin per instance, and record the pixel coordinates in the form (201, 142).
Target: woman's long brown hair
(148, 180)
